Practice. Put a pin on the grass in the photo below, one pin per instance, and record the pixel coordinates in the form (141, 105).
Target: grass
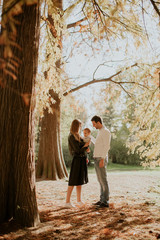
(121, 167)
(115, 167)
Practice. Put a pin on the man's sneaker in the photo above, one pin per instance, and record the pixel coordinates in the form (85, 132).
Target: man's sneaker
(97, 203)
(103, 205)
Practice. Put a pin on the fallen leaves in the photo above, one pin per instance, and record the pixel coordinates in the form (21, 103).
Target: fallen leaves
(126, 218)
(106, 231)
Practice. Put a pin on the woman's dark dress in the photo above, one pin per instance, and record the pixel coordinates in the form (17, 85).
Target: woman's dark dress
(78, 173)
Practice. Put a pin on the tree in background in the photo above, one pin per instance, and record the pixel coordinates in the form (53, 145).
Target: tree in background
(114, 119)
(18, 57)
(110, 117)
(145, 127)
(119, 152)
(141, 114)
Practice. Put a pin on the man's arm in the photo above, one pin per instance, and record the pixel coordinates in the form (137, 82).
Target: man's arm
(106, 138)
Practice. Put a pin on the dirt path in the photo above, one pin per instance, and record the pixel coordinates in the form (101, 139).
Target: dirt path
(134, 211)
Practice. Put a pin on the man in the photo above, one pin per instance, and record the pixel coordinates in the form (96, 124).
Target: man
(100, 155)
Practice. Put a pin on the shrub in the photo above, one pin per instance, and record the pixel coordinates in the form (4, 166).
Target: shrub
(119, 153)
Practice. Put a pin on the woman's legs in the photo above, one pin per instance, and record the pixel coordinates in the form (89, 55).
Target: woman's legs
(69, 192)
(79, 188)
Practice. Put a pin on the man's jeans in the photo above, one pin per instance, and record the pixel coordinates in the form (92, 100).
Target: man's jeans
(102, 179)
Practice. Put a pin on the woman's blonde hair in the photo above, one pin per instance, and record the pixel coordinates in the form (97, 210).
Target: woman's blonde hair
(75, 128)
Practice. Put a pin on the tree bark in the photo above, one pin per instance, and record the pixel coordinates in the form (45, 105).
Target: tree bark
(17, 166)
(50, 163)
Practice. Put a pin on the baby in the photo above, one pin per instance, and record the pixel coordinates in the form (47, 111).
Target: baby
(87, 138)
(86, 133)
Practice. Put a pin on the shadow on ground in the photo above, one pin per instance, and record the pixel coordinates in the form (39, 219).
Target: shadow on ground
(139, 221)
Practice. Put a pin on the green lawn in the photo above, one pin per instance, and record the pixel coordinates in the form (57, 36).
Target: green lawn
(121, 167)
(114, 167)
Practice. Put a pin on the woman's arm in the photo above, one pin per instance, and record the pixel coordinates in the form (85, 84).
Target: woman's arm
(76, 147)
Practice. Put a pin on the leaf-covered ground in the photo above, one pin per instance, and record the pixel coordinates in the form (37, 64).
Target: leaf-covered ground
(134, 211)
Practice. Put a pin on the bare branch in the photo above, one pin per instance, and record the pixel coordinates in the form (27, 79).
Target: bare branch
(75, 24)
(125, 90)
(155, 7)
(118, 21)
(109, 79)
(145, 26)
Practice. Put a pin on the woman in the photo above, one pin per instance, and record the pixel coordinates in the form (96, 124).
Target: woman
(78, 174)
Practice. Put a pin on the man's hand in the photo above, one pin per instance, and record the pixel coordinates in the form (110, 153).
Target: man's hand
(101, 163)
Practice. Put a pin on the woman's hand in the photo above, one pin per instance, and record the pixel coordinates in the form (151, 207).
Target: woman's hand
(87, 144)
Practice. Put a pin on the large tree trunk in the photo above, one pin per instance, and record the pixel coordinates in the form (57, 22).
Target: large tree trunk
(17, 167)
(50, 163)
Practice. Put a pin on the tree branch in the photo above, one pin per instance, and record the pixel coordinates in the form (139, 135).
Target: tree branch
(75, 24)
(155, 7)
(109, 79)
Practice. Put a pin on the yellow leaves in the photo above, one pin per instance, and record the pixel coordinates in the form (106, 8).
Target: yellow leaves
(10, 10)
(26, 98)
(2, 63)
(17, 9)
(8, 37)
(137, 43)
(9, 64)
(3, 37)
(13, 43)
(7, 52)
(7, 72)
(114, 10)
(145, 129)
(51, 61)
(12, 67)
